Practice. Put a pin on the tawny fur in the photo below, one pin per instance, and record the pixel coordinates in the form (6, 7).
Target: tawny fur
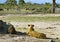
(33, 33)
(11, 30)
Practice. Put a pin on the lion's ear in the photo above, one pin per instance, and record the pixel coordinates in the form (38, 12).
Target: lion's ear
(28, 25)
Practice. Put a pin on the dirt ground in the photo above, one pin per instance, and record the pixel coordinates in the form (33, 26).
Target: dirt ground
(51, 29)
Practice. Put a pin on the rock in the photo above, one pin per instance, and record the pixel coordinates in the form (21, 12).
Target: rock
(6, 28)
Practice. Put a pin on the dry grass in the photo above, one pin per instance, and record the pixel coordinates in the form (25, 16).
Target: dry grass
(28, 18)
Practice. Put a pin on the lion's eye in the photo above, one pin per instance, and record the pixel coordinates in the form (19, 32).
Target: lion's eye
(28, 25)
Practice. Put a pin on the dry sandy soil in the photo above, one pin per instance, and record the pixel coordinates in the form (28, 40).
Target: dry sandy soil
(51, 29)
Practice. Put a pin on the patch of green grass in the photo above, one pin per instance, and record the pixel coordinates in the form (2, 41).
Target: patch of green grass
(58, 40)
(31, 18)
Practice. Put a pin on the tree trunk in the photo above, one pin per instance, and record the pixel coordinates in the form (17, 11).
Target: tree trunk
(53, 6)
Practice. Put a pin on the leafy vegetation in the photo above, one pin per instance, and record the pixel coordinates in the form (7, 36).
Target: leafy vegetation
(11, 6)
(11, 2)
(31, 18)
(21, 2)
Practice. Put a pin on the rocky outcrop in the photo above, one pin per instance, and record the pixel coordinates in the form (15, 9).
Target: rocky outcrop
(6, 28)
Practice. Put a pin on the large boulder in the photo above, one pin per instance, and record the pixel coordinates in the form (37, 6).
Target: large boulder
(6, 28)
(11, 29)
